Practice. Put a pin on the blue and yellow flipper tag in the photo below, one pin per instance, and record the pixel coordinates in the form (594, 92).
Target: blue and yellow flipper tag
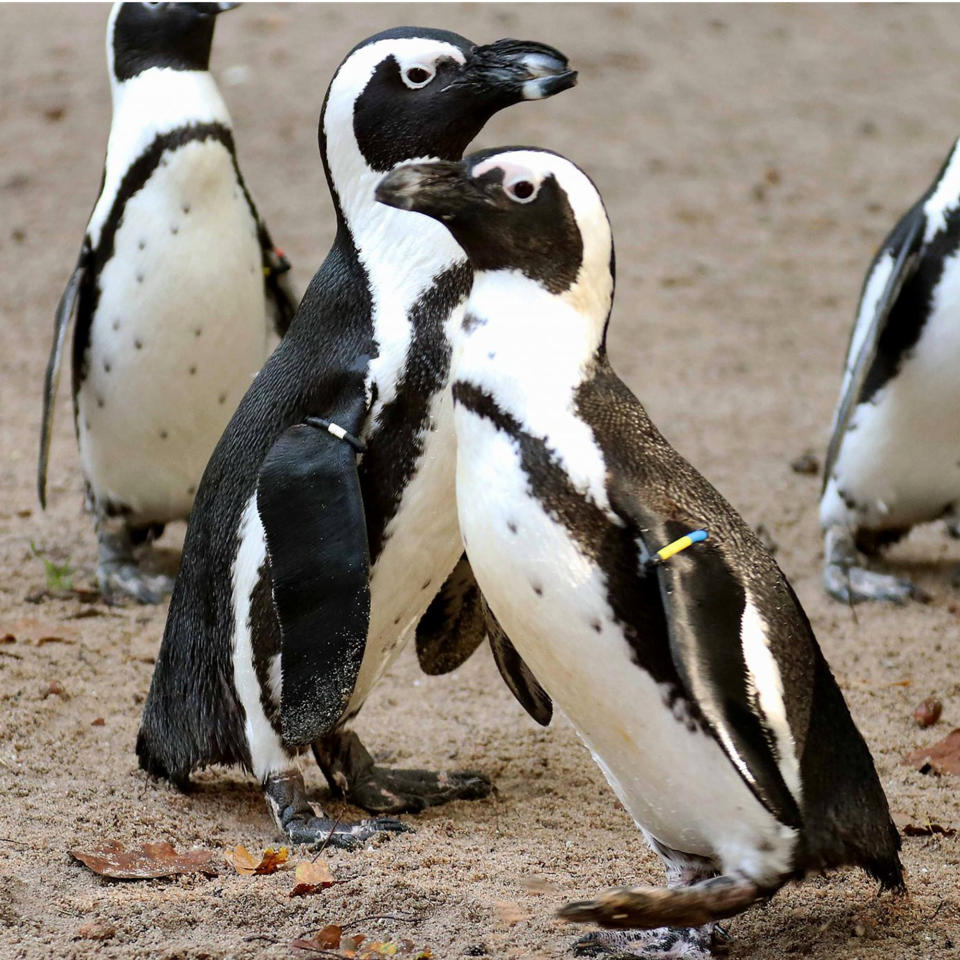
(672, 549)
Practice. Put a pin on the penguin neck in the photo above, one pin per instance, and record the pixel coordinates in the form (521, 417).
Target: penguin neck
(524, 345)
(401, 252)
(162, 98)
(146, 107)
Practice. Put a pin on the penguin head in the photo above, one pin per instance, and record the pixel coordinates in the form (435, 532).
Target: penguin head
(416, 93)
(519, 210)
(172, 35)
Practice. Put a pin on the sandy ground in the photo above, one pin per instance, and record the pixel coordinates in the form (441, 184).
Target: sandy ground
(751, 159)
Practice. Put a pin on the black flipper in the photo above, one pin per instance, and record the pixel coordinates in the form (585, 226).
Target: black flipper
(454, 624)
(311, 507)
(704, 601)
(65, 313)
(516, 674)
(904, 244)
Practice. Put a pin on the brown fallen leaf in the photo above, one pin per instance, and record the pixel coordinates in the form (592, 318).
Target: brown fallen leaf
(352, 943)
(927, 713)
(927, 830)
(96, 930)
(310, 877)
(146, 862)
(942, 757)
(326, 939)
(244, 862)
(98, 722)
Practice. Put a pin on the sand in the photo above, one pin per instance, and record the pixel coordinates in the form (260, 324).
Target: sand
(751, 159)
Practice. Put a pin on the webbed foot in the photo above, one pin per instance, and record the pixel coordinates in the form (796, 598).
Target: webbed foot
(846, 576)
(650, 907)
(119, 573)
(663, 943)
(857, 584)
(121, 581)
(287, 800)
(351, 772)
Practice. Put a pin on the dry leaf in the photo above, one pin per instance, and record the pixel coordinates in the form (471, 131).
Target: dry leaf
(143, 863)
(942, 757)
(928, 830)
(351, 943)
(310, 877)
(98, 722)
(246, 863)
(96, 930)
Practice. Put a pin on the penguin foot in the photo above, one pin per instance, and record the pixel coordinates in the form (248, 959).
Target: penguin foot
(663, 943)
(650, 907)
(120, 581)
(287, 800)
(857, 584)
(352, 774)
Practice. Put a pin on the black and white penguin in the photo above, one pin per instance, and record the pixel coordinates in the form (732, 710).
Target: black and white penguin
(894, 455)
(692, 675)
(171, 291)
(326, 519)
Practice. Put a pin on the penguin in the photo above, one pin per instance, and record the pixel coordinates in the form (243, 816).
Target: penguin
(171, 292)
(893, 459)
(646, 608)
(326, 521)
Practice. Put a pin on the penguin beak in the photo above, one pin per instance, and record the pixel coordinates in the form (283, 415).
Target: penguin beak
(439, 189)
(212, 9)
(514, 70)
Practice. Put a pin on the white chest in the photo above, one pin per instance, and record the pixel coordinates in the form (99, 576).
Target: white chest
(177, 336)
(552, 601)
(421, 548)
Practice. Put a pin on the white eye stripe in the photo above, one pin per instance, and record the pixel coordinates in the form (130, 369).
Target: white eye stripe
(417, 75)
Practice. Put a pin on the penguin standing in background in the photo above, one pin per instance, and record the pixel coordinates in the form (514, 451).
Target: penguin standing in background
(326, 520)
(639, 599)
(171, 292)
(894, 455)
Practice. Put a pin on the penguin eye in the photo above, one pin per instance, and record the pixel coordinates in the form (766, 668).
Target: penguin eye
(417, 76)
(523, 191)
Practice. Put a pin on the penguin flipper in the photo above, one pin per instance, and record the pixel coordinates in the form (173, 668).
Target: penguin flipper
(516, 674)
(66, 310)
(904, 245)
(311, 507)
(454, 624)
(706, 609)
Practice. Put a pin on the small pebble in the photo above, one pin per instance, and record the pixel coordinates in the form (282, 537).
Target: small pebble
(928, 713)
(807, 464)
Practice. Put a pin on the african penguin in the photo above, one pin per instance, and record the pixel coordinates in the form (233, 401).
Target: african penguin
(326, 519)
(170, 291)
(696, 681)
(894, 455)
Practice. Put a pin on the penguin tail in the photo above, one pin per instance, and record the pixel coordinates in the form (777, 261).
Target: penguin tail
(846, 818)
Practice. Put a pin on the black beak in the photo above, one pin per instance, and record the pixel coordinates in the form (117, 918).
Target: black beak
(212, 9)
(439, 189)
(515, 70)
